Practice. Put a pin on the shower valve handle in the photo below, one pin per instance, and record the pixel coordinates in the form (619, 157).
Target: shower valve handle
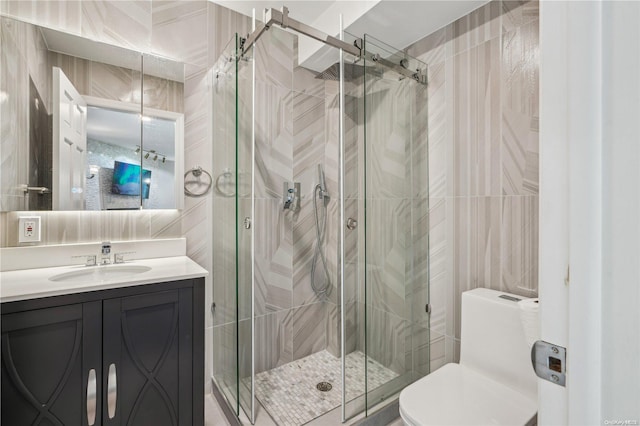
(352, 223)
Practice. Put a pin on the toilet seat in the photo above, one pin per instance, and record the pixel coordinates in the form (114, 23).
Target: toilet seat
(458, 395)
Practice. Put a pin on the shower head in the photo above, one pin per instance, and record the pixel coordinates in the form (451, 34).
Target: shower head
(351, 72)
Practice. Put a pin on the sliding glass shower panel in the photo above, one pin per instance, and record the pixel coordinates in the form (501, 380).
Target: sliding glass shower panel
(245, 228)
(352, 306)
(225, 315)
(394, 201)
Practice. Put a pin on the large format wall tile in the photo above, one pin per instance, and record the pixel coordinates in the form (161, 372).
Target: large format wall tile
(477, 120)
(520, 110)
(274, 140)
(179, 30)
(387, 254)
(388, 141)
(94, 226)
(273, 257)
(333, 330)
(308, 153)
(477, 27)
(476, 244)
(386, 339)
(520, 245)
(309, 334)
(432, 48)
(224, 260)
(483, 158)
(224, 355)
(274, 340)
(274, 58)
(222, 26)
(517, 13)
(122, 23)
(305, 81)
(60, 14)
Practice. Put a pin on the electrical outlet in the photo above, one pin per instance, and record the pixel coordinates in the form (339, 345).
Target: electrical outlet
(29, 229)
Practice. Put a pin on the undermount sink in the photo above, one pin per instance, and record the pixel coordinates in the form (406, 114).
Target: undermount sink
(101, 273)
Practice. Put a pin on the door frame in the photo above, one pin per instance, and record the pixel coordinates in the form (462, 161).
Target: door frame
(589, 208)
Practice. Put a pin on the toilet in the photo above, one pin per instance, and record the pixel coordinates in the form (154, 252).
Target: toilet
(494, 383)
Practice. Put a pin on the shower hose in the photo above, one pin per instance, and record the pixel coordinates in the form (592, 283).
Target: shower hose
(324, 288)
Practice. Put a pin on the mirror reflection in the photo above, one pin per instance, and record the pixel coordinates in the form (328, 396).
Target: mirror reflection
(82, 128)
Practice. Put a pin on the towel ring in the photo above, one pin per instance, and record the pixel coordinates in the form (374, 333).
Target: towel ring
(197, 171)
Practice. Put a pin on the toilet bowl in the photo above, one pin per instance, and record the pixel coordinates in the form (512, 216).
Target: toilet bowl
(494, 383)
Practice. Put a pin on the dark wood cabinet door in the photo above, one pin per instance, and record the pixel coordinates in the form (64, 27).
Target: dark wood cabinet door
(47, 356)
(147, 351)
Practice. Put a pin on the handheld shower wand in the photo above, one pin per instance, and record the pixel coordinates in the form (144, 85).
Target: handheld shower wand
(321, 225)
(322, 182)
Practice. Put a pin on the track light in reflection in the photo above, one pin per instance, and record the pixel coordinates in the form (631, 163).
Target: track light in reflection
(151, 154)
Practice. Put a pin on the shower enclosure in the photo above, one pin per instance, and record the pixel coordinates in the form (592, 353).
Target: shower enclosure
(321, 251)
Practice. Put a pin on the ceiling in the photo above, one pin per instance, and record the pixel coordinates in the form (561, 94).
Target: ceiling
(398, 23)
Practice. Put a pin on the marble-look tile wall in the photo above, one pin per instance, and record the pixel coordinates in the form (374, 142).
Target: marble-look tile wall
(194, 32)
(483, 158)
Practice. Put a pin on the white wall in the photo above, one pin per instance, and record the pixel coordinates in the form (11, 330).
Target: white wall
(621, 212)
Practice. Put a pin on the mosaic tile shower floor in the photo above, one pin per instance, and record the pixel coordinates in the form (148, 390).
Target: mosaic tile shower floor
(289, 393)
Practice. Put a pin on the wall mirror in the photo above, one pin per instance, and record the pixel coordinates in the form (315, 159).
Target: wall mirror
(86, 125)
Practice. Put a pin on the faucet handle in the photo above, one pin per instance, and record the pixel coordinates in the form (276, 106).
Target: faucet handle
(119, 257)
(90, 259)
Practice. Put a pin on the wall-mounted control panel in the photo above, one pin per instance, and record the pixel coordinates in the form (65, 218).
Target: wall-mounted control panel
(29, 229)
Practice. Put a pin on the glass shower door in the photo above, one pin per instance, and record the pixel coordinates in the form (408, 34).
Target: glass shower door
(394, 201)
(225, 315)
(232, 83)
(245, 215)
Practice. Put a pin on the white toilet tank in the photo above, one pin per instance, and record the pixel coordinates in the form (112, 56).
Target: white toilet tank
(493, 341)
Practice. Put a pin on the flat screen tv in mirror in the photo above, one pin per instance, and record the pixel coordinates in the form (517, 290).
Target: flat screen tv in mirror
(126, 180)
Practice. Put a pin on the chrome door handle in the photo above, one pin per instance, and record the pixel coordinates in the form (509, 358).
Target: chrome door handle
(112, 391)
(91, 397)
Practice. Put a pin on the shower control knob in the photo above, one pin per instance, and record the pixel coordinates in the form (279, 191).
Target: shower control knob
(247, 223)
(352, 223)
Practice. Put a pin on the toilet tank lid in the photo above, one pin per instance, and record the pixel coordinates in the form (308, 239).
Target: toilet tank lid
(493, 341)
(496, 296)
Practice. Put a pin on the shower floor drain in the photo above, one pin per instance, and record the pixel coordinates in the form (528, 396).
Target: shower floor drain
(324, 386)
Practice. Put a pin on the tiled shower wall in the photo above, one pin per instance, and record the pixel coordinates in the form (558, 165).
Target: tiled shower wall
(483, 159)
(194, 32)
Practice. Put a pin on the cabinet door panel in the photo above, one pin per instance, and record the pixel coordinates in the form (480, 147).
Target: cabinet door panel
(46, 358)
(148, 341)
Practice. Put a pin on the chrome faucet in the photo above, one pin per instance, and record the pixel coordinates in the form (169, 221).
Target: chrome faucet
(291, 196)
(106, 251)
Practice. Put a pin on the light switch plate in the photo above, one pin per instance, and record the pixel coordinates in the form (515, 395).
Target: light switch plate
(29, 229)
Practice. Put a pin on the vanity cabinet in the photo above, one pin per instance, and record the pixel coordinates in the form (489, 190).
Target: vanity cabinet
(126, 356)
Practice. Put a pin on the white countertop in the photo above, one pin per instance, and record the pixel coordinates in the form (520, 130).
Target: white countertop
(34, 283)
